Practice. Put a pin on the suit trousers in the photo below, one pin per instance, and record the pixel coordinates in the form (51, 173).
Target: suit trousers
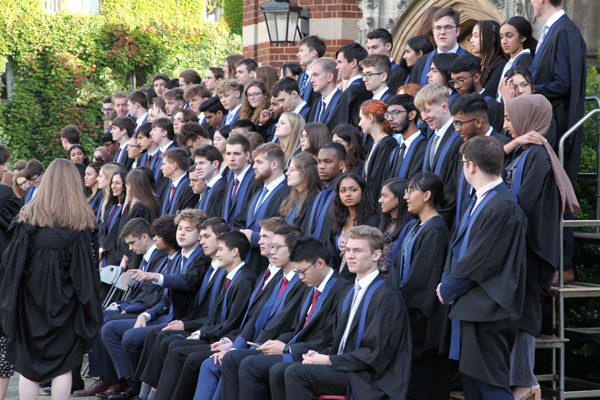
(304, 381)
(154, 366)
(478, 390)
(253, 375)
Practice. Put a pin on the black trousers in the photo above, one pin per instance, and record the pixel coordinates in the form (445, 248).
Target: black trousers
(253, 375)
(305, 381)
(229, 372)
(156, 359)
(431, 376)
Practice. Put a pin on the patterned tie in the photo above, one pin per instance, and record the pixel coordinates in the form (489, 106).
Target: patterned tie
(315, 298)
(264, 281)
(236, 184)
(542, 37)
(432, 150)
(283, 286)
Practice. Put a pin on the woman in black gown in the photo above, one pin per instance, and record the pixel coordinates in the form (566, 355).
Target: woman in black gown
(50, 307)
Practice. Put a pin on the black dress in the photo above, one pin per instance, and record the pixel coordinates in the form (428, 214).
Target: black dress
(50, 307)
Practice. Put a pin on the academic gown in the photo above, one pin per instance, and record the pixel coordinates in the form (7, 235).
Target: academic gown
(108, 237)
(50, 307)
(331, 116)
(300, 219)
(397, 77)
(247, 188)
(539, 199)
(349, 106)
(419, 71)
(183, 197)
(9, 207)
(559, 72)
(379, 366)
(144, 295)
(410, 164)
(495, 111)
(489, 300)
(378, 164)
(319, 221)
(216, 199)
(493, 79)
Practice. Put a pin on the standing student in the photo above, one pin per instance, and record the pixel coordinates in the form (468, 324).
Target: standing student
(416, 269)
(484, 276)
(177, 194)
(407, 158)
(230, 94)
(415, 48)
(309, 49)
(137, 107)
(348, 58)
(352, 139)
(289, 130)
(163, 135)
(323, 79)
(52, 245)
(229, 65)
(373, 123)
(33, 172)
(314, 136)
(303, 179)
(90, 180)
(376, 70)
(559, 72)
(109, 251)
(287, 95)
(173, 101)
(122, 130)
(208, 162)
(394, 216)
(370, 353)
(9, 203)
(245, 71)
(485, 44)
(255, 100)
(381, 42)
(446, 27)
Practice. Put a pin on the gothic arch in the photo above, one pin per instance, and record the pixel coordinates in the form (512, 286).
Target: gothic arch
(471, 11)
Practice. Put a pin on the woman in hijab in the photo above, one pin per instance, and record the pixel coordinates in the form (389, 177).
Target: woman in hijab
(538, 182)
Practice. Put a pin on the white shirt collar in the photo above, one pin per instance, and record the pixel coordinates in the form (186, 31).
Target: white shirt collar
(322, 285)
(489, 132)
(453, 50)
(440, 132)
(378, 95)
(152, 153)
(274, 184)
(483, 191)
(411, 139)
(240, 177)
(366, 281)
(232, 112)
(274, 270)
(213, 180)
(354, 78)
(140, 120)
(166, 146)
(327, 99)
(149, 252)
(555, 17)
(187, 255)
(290, 275)
(299, 108)
(176, 182)
(234, 271)
(122, 146)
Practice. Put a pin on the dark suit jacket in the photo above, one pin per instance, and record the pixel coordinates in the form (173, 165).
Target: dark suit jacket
(144, 295)
(397, 78)
(350, 102)
(246, 190)
(183, 197)
(215, 200)
(414, 162)
(378, 164)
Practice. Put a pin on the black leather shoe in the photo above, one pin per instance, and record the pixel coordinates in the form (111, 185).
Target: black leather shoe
(121, 396)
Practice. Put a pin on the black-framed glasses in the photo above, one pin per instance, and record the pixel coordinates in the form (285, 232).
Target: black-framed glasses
(302, 271)
(459, 124)
(460, 81)
(368, 75)
(393, 114)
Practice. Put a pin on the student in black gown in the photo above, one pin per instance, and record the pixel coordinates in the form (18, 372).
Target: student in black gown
(416, 270)
(439, 72)
(9, 203)
(415, 48)
(350, 137)
(50, 307)
(485, 43)
(352, 206)
(373, 122)
(109, 230)
(90, 181)
(303, 179)
(394, 216)
(484, 276)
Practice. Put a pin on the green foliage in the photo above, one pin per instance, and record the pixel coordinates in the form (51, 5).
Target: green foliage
(64, 64)
(233, 10)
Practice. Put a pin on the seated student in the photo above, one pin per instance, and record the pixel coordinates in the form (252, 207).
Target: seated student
(198, 185)
(330, 163)
(230, 94)
(288, 133)
(254, 101)
(228, 310)
(275, 317)
(303, 179)
(124, 339)
(214, 114)
(381, 42)
(243, 127)
(193, 135)
(324, 78)
(177, 194)
(394, 216)
(441, 156)
(214, 76)
(108, 109)
(309, 49)
(247, 371)
(163, 135)
(348, 58)
(374, 124)
(407, 159)
(134, 153)
(108, 233)
(466, 79)
(69, 136)
(173, 101)
(416, 270)
(352, 206)
(137, 107)
(314, 136)
(352, 139)
(208, 160)
(245, 71)
(147, 146)
(265, 284)
(143, 295)
(287, 95)
(375, 73)
(159, 84)
(446, 27)
(119, 100)
(369, 359)
(122, 130)
(181, 117)
(290, 70)
(269, 164)
(470, 119)
(197, 314)
(241, 185)
(188, 78)
(195, 95)
(484, 276)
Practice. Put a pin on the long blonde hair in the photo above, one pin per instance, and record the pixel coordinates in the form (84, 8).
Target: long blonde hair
(60, 200)
(297, 125)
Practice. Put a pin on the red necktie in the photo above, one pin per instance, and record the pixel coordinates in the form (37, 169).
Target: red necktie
(264, 281)
(236, 184)
(172, 192)
(312, 307)
(227, 282)
(283, 286)
(148, 161)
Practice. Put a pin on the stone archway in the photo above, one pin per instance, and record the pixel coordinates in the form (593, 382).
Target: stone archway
(471, 11)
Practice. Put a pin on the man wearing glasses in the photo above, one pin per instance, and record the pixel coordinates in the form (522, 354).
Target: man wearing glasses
(445, 33)
(376, 71)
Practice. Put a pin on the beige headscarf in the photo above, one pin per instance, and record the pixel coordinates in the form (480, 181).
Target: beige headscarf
(534, 113)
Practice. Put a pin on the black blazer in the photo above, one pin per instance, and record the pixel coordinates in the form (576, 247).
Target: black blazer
(350, 102)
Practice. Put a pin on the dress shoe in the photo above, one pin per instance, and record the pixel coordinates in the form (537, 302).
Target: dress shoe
(48, 390)
(122, 396)
(112, 390)
(96, 387)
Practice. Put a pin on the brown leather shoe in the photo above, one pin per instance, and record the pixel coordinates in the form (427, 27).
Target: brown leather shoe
(96, 387)
(113, 389)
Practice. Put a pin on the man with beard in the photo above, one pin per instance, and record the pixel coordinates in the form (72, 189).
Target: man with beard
(407, 159)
